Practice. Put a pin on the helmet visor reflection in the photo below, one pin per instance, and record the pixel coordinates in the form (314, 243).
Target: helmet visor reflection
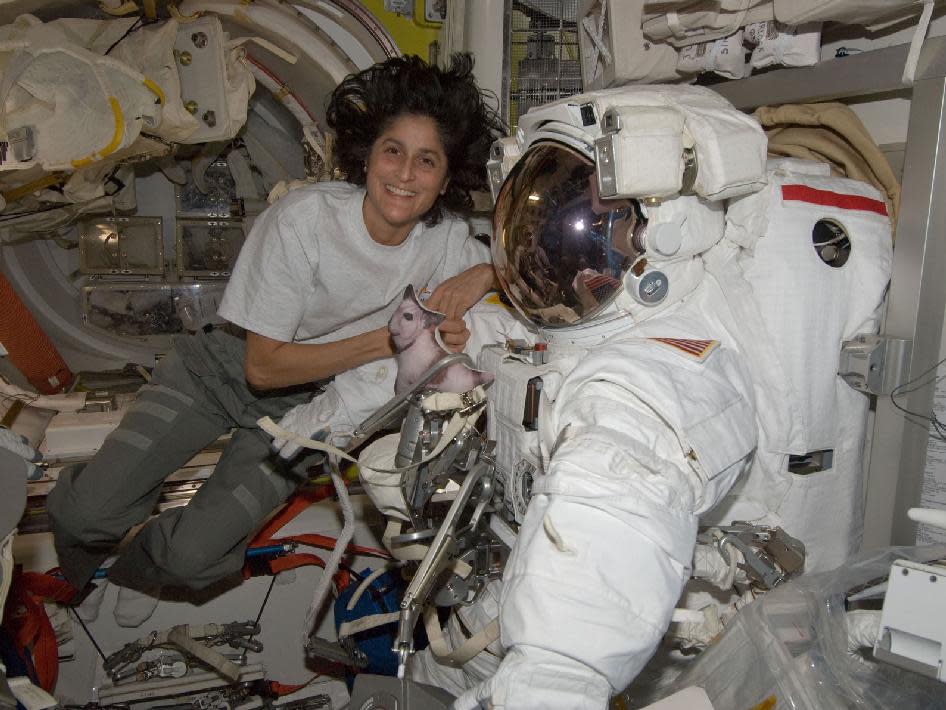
(559, 250)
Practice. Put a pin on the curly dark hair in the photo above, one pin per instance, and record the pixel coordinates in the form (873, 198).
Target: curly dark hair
(365, 104)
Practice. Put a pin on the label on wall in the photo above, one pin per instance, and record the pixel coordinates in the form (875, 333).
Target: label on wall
(934, 477)
(405, 8)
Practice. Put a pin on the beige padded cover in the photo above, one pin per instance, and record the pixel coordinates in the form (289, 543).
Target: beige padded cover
(831, 133)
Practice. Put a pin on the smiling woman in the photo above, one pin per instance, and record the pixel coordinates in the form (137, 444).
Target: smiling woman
(406, 173)
(364, 106)
(314, 286)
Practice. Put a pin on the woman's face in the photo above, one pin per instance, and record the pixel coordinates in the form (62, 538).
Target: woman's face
(406, 172)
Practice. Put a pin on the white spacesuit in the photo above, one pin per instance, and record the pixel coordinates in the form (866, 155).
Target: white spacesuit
(678, 363)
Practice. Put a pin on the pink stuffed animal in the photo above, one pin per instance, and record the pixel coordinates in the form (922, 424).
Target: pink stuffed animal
(412, 329)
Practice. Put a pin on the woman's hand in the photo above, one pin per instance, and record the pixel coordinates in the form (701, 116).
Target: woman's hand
(454, 334)
(456, 295)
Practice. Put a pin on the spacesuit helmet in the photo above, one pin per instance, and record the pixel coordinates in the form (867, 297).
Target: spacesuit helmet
(561, 252)
(604, 200)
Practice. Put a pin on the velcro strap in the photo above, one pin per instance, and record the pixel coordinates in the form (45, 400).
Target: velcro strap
(350, 628)
(180, 637)
(466, 650)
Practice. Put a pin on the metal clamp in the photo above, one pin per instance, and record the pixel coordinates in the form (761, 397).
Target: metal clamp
(875, 364)
(770, 554)
(394, 410)
(129, 653)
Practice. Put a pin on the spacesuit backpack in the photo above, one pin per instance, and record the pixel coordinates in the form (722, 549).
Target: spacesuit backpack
(816, 254)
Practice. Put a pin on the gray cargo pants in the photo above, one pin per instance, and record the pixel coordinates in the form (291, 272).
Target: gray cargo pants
(198, 392)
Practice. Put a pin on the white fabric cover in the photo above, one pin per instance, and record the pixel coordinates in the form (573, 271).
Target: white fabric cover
(58, 79)
(83, 106)
(654, 131)
(382, 486)
(730, 146)
(150, 50)
(725, 57)
(489, 322)
(612, 47)
(794, 300)
(220, 81)
(788, 45)
(731, 149)
(704, 21)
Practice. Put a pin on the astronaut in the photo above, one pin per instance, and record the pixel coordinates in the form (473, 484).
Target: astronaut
(692, 361)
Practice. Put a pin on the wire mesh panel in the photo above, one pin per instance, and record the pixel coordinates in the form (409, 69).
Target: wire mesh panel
(543, 54)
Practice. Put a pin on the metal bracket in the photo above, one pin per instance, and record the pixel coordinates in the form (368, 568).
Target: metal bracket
(875, 364)
(392, 412)
(770, 554)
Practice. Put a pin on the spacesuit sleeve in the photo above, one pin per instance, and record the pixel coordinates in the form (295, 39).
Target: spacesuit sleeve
(607, 542)
(273, 276)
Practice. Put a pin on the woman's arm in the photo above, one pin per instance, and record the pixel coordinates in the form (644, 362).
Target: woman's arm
(456, 296)
(459, 293)
(273, 364)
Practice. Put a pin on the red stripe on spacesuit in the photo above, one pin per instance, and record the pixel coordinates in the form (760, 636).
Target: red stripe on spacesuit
(827, 198)
(698, 348)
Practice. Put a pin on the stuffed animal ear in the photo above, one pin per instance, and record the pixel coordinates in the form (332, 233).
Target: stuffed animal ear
(432, 318)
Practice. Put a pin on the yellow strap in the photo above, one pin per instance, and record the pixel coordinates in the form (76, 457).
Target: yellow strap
(116, 136)
(156, 90)
(29, 188)
(183, 19)
(125, 9)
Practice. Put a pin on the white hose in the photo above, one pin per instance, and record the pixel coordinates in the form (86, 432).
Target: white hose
(366, 582)
(332, 564)
(863, 628)
(928, 516)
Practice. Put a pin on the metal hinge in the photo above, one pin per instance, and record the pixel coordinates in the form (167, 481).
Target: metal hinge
(875, 364)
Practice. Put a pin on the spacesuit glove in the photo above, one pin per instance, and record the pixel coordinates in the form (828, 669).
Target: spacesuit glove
(531, 678)
(298, 421)
(18, 445)
(313, 420)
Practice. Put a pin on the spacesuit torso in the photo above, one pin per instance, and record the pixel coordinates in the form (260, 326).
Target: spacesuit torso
(636, 438)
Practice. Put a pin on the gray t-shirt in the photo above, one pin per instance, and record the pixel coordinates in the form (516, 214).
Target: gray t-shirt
(309, 271)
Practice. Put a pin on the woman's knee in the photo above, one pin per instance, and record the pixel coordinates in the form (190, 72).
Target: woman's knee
(194, 566)
(71, 512)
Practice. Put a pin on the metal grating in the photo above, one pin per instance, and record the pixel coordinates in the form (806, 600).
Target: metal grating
(543, 54)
